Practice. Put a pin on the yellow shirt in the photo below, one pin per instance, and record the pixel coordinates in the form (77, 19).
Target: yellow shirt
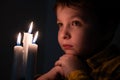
(105, 66)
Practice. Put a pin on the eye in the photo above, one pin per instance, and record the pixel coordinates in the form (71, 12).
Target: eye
(59, 25)
(76, 23)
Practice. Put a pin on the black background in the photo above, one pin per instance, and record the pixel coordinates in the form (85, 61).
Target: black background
(15, 16)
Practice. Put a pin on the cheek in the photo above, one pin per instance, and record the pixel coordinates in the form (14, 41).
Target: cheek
(79, 39)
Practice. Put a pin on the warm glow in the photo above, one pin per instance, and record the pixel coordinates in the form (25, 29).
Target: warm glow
(31, 26)
(19, 39)
(35, 37)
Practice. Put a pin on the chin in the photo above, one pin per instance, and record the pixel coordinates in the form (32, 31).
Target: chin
(71, 52)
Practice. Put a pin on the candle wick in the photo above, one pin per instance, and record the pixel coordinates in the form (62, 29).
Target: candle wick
(33, 42)
(18, 44)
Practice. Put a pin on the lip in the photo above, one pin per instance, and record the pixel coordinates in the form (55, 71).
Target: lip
(67, 46)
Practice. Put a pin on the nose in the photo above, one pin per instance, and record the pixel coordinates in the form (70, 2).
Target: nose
(66, 34)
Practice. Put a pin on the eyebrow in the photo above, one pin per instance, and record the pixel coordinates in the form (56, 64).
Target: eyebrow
(78, 16)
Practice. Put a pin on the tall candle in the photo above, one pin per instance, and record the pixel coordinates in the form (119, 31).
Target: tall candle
(27, 40)
(32, 56)
(18, 59)
(25, 57)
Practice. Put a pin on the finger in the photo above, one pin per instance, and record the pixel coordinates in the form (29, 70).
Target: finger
(58, 63)
(59, 70)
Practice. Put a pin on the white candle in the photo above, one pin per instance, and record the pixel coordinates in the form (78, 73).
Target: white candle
(27, 40)
(32, 56)
(25, 57)
(18, 59)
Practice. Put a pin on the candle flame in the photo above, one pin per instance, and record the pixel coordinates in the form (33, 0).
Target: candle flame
(19, 39)
(35, 37)
(31, 26)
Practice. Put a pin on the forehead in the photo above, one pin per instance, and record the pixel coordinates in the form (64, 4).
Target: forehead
(68, 12)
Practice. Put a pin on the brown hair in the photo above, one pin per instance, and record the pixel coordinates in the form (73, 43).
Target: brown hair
(107, 13)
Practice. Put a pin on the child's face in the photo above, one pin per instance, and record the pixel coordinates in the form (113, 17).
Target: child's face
(73, 31)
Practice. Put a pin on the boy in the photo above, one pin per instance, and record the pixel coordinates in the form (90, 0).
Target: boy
(86, 28)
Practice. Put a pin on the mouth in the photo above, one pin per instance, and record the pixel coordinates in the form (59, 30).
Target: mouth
(67, 46)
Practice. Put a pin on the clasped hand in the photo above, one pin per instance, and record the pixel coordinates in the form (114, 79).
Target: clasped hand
(63, 67)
